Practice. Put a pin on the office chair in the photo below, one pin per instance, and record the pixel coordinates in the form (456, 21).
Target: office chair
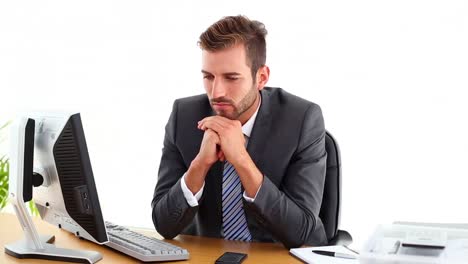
(331, 201)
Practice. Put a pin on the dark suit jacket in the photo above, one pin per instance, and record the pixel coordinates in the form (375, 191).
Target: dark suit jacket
(288, 146)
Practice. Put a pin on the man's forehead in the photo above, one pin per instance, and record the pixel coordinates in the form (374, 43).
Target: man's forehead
(224, 61)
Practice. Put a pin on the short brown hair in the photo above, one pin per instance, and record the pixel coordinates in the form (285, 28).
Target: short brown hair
(233, 30)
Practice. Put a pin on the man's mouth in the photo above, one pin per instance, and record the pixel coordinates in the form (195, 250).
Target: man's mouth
(221, 105)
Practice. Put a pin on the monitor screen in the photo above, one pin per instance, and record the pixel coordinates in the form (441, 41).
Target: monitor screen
(67, 197)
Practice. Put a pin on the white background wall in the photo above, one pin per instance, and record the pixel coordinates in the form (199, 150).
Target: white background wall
(390, 76)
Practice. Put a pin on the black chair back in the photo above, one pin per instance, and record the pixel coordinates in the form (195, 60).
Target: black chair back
(330, 209)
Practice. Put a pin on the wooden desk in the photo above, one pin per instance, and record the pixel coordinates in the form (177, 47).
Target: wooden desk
(202, 249)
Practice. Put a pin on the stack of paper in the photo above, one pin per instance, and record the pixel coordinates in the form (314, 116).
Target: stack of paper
(308, 256)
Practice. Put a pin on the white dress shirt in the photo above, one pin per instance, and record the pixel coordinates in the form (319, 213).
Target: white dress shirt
(192, 200)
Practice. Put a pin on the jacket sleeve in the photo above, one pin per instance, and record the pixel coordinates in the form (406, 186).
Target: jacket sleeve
(291, 211)
(170, 211)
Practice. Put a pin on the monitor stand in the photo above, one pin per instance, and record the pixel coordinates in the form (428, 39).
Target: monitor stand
(33, 245)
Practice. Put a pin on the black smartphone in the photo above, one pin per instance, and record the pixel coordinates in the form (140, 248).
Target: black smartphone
(231, 258)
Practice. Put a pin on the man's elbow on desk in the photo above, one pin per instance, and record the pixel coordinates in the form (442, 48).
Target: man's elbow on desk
(164, 226)
(296, 239)
(160, 228)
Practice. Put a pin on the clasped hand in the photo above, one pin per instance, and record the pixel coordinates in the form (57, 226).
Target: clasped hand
(223, 140)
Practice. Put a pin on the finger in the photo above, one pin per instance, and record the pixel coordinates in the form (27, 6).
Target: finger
(200, 123)
(211, 137)
(213, 124)
(203, 121)
(220, 119)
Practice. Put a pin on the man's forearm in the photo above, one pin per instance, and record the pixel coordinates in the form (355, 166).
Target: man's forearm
(250, 176)
(195, 177)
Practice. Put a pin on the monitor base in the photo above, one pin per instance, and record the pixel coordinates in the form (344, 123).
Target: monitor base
(25, 249)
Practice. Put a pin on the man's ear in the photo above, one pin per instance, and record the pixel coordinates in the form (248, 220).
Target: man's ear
(263, 74)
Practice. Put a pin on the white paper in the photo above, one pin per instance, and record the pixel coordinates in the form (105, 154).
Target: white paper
(308, 256)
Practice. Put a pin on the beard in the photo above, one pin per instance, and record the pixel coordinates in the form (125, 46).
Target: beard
(239, 109)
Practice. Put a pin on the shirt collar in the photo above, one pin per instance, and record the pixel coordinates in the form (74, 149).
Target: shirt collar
(248, 126)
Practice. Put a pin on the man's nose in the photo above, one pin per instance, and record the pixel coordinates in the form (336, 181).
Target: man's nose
(218, 89)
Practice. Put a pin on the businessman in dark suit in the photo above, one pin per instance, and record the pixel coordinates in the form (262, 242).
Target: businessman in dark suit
(243, 161)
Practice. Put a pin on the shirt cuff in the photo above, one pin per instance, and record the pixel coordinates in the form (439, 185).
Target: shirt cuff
(251, 200)
(192, 200)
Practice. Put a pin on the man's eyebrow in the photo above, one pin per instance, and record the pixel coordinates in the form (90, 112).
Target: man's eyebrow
(231, 73)
(225, 74)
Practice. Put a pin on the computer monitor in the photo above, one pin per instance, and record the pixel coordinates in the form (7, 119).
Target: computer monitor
(67, 195)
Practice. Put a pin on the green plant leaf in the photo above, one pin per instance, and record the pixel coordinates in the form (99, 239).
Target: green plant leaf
(5, 125)
(4, 172)
(33, 209)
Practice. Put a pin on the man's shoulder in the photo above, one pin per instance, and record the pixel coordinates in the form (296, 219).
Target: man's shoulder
(283, 99)
(197, 103)
(192, 108)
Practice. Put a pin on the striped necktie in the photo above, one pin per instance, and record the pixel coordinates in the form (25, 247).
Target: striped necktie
(234, 220)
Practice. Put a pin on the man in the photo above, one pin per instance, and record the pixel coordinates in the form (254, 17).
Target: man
(243, 161)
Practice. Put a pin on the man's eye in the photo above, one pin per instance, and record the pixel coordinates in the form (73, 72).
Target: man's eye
(208, 77)
(232, 78)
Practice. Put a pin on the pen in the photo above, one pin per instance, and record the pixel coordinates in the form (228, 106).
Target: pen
(334, 254)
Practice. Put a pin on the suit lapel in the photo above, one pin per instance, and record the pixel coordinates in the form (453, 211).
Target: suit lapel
(261, 129)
